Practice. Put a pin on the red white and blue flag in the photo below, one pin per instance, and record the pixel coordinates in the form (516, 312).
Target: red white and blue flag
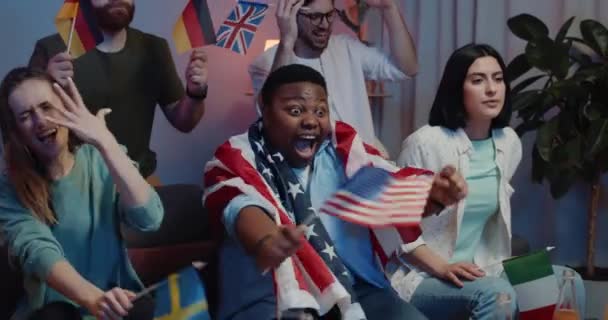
(237, 31)
(305, 280)
(76, 19)
(375, 197)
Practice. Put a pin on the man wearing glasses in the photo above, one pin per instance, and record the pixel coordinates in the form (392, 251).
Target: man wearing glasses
(306, 38)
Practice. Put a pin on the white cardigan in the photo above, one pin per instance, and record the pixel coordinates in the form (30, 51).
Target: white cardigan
(433, 148)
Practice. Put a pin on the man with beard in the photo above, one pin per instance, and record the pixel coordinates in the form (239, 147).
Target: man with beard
(130, 72)
(305, 28)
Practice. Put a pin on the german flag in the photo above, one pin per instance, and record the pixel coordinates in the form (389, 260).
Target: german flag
(86, 33)
(194, 27)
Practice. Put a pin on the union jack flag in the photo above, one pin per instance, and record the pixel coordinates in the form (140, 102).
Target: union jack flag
(237, 31)
(375, 197)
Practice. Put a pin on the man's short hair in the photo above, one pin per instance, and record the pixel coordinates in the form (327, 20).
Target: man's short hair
(292, 73)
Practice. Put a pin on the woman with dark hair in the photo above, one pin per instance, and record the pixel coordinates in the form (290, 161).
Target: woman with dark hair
(61, 202)
(454, 269)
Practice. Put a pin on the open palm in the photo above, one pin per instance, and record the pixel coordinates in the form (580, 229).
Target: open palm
(380, 3)
(75, 116)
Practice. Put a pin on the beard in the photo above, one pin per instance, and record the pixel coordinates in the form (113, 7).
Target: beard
(110, 19)
(315, 45)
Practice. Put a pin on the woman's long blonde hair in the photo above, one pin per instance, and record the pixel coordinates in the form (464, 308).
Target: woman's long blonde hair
(25, 172)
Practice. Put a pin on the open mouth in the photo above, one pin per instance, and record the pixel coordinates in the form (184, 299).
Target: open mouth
(306, 145)
(321, 35)
(47, 136)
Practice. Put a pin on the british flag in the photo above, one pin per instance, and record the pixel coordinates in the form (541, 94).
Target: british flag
(237, 31)
(375, 197)
(305, 281)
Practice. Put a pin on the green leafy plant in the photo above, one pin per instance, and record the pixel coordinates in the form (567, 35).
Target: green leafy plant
(565, 99)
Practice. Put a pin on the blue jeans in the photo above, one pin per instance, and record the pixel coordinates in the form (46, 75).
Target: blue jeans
(377, 303)
(384, 303)
(438, 299)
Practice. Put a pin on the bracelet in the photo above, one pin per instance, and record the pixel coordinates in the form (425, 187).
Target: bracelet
(201, 96)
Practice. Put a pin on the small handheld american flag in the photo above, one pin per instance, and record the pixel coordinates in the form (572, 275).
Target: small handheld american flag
(374, 197)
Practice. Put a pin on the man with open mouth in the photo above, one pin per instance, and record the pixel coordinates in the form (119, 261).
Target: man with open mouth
(277, 175)
(306, 28)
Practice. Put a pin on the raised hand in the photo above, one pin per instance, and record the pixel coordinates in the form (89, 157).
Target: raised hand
(75, 116)
(286, 14)
(60, 67)
(197, 73)
(381, 4)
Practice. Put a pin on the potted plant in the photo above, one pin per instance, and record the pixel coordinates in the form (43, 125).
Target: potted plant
(566, 101)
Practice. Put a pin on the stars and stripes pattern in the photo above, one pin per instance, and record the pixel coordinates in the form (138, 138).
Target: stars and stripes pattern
(374, 197)
(315, 277)
(237, 31)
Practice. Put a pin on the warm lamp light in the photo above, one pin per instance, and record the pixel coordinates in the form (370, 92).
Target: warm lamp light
(270, 43)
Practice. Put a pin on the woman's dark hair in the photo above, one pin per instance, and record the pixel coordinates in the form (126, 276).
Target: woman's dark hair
(291, 73)
(448, 108)
(24, 170)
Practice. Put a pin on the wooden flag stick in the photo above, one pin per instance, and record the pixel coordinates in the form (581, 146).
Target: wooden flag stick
(198, 265)
(72, 28)
(548, 249)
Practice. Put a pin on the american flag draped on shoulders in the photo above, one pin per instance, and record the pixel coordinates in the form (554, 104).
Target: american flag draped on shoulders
(305, 280)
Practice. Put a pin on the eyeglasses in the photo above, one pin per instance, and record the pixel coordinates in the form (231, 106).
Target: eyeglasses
(316, 18)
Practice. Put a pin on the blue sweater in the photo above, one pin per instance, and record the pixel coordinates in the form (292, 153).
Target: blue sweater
(86, 205)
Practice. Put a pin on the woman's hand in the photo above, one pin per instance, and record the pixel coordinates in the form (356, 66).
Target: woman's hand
(454, 272)
(113, 304)
(75, 116)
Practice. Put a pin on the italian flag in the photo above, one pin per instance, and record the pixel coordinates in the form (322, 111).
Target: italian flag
(535, 284)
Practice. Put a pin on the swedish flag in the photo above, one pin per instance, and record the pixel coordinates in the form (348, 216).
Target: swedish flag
(181, 297)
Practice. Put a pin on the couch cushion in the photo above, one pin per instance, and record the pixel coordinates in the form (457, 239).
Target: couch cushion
(12, 286)
(153, 264)
(185, 220)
